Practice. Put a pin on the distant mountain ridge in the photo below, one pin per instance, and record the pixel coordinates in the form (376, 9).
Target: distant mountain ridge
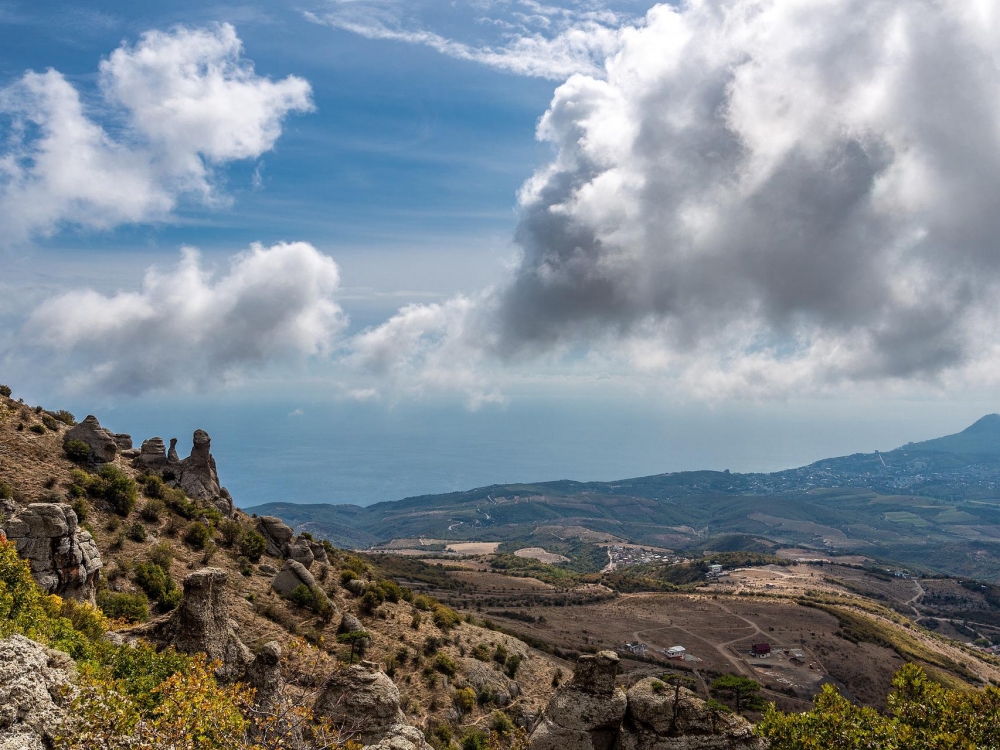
(981, 437)
(934, 503)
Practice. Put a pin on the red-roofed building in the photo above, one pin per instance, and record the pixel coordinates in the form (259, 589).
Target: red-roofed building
(761, 649)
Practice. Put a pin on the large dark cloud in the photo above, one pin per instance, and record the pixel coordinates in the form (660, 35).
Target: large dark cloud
(815, 180)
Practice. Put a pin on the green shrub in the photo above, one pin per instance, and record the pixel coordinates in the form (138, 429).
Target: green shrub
(6, 491)
(246, 567)
(445, 664)
(137, 532)
(252, 546)
(37, 429)
(475, 739)
(464, 699)
(5, 390)
(423, 603)
(162, 554)
(346, 576)
(124, 606)
(231, 532)
(512, 665)
(198, 535)
(370, 601)
(117, 488)
(157, 584)
(65, 417)
(50, 422)
(303, 596)
(501, 723)
(152, 509)
(445, 617)
(152, 486)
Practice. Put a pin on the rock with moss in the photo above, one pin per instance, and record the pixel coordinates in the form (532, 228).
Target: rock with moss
(104, 444)
(64, 558)
(488, 681)
(365, 702)
(655, 721)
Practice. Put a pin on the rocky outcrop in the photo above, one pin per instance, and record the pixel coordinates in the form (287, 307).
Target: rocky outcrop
(587, 713)
(349, 624)
(103, 443)
(34, 694)
(364, 703)
(276, 533)
(201, 624)
(64, 559)
(591, 713)
(655, 721)
(278, 725)
(319, 553)
(300, 551)
(196, 474)
(294, 574)
(486, 680)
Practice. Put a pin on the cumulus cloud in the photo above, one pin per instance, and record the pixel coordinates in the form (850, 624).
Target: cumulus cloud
(763, 197)
(188, 326)
(176, 106)
(534, 39)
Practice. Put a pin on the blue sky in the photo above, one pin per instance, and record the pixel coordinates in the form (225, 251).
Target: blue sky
(499, 240)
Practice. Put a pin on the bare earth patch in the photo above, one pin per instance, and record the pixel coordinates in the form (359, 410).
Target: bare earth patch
(473, 548)
(537, 553)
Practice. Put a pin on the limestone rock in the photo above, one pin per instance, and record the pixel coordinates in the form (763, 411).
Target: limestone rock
(356, 586)
(103, 446)
(587, 713)
(482, 677)
(654, 722)
(152, 455)
(201, 624)
(319, 553)
(401, 737)
(300, 551)
(277, 535)
(33, 694)
(363, 701)
(294, 574)
(64, 558)
(349, 624)
(196, 474)
(123, 441)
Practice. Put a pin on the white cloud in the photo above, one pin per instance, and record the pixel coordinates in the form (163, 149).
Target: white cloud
(536, 40)
(183, 102)
(188, 327)
(757, 198)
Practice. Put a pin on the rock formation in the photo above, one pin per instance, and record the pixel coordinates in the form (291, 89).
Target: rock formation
(34, 694)
(201, 624)
(364, 703)
(64, 559)
(276, 533)
(654, 721)
(196, 474)
(294, 574)
(587, 713)
(349, 624)
(319, 553)
(301, 552)
(591, 713)
(104, 444)
(279, 726)
(484, 678)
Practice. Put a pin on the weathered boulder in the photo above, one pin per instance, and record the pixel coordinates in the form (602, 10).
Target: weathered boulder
(124, 441)
(152, 455)
(364, 703)
(201, 624)
(401, 737)
(349, 624)
(294, 574)
(319, 553)
(278, 724)
(356, 586)
(484, 678)
(196, 474)
(587, 713)
(276, 533)
(64, 559)
(300, 551)
(102, 442)
(199, 478)
(654, 721)
(35, 692)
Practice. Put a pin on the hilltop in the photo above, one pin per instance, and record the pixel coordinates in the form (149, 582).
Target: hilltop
(140, 563)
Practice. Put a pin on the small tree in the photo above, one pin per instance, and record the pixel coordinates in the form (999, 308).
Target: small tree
(357, 639)
(743, 690)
